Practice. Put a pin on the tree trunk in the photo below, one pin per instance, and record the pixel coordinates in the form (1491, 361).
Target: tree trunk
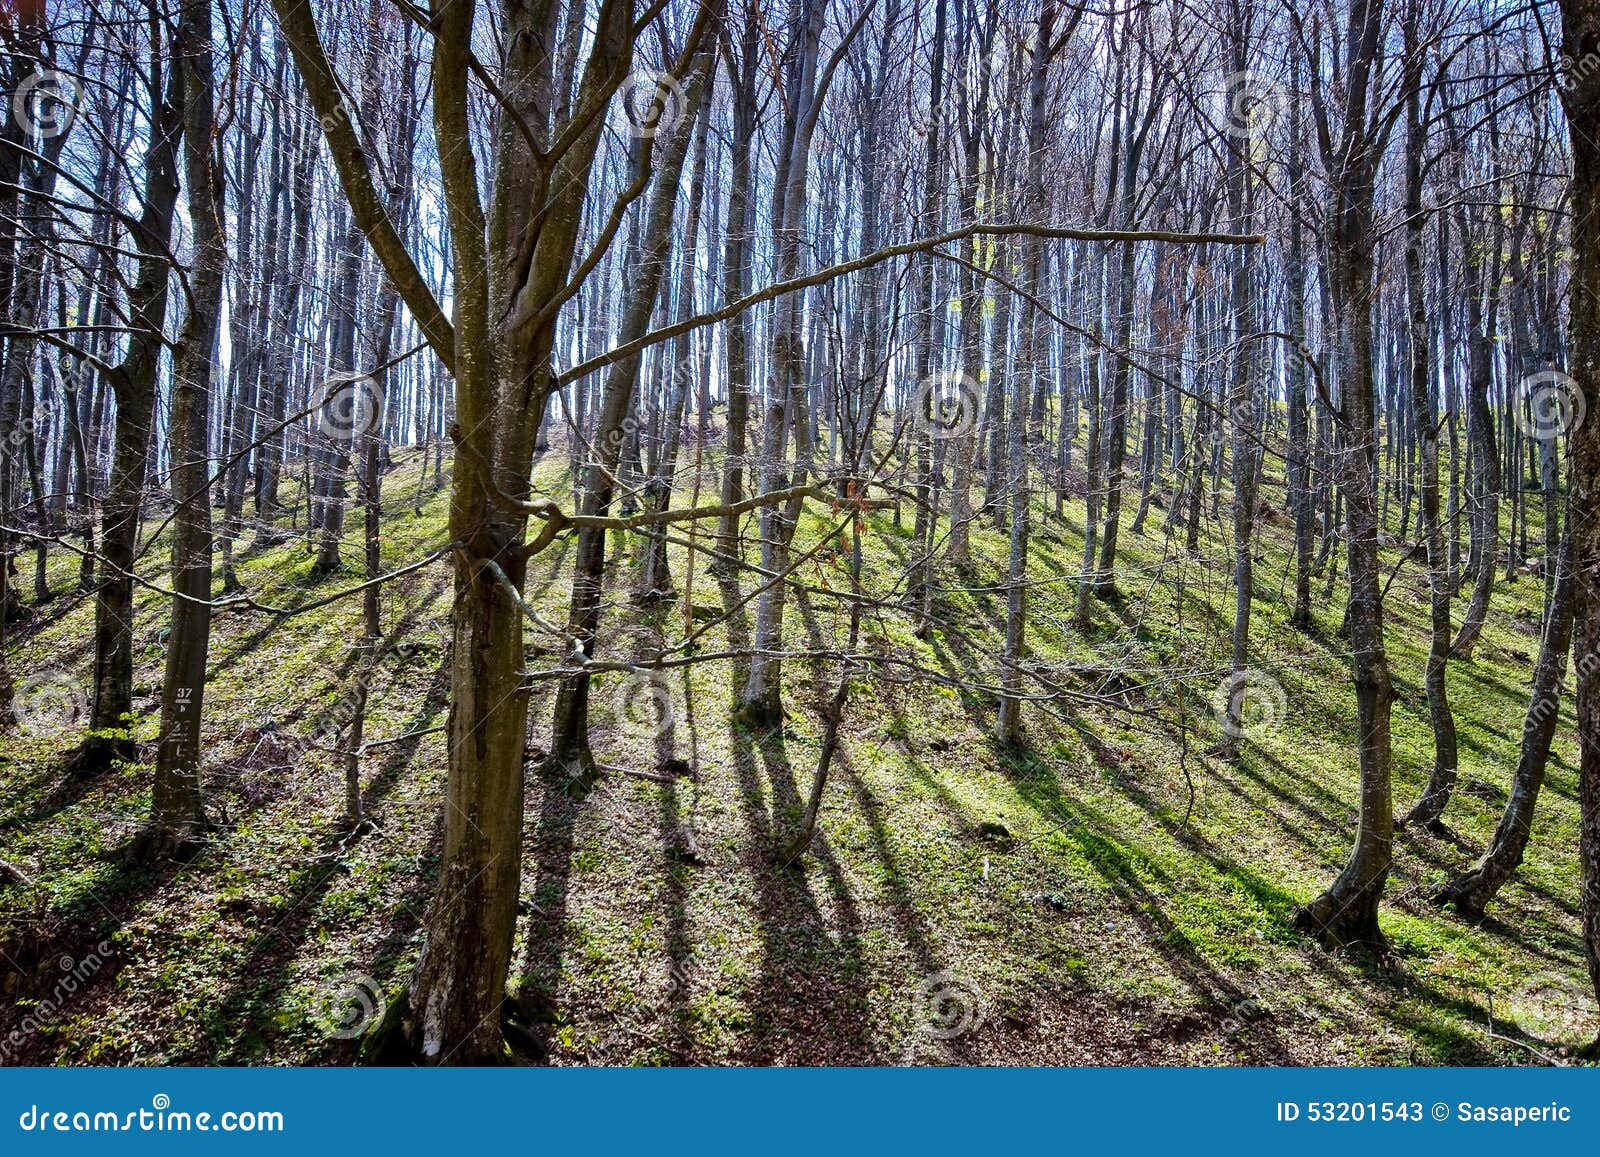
(133, 381)
(1008, 720)
(1441, 781)
(1347, 913)
(569, 728)
(1581, 28)
(177, 813)
(1470, 892)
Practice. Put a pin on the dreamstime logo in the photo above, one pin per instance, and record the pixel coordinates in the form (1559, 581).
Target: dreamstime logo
(29, 428)
(75, 975)
(1552, 1004)
(332, 723)
(1246, 413)
(947, 405)
(48, 702)
(352, 405)
(1010, 57)
(1254, 104)
(1559, 992)
(643, 705)
(1248, 703)
(1571, 72)
(1241, 1014)
(652, 102)
(347, 1005)
(949, 1004)
(47, 102)
(1549, 404)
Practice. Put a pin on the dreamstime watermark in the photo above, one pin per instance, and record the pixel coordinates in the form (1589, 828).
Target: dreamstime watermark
(652, 102)
(1246, 412)
(1548, 404)
(352, 406)
(1009, 59)
(1001, 67)
(75, 976)
(1572, 71)
(1241, 1013)
(27, 429)
(345, 1006)
(947, 404)
(950, 1005)
(1560, 992)
(1248, 703)
(1545, 708)
(677, 986)
(1299, 360)
(46, 102)
(337, 116)
(1254, 104)
(642, 705)
(333, 722)
(1552, 1005)
(49, 702)
(681, 377)
(160, 1117)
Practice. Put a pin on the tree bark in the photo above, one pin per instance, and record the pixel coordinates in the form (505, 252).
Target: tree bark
(1441, 782)
(133, 381)
(1347, 912)
(177, 812)
(1581, 33)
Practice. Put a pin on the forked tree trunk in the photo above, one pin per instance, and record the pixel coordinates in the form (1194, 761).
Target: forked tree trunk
(133, 381)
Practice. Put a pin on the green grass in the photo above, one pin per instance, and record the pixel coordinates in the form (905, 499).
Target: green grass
(1109, 893)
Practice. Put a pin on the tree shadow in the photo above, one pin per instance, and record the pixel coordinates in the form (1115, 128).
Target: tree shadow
(264, 970)
(809, 1004)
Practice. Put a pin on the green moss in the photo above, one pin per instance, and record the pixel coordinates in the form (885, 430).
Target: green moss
(1138, 875)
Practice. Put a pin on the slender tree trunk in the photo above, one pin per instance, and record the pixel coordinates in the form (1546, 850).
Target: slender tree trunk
(1347, 913)
(569, 742)
(1470, 892)
(177, 813)
(133, 381)
(1441, 782)
(1008, 720)
(1243, 405)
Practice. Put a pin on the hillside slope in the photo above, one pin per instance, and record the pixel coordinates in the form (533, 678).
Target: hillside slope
(1111, 894)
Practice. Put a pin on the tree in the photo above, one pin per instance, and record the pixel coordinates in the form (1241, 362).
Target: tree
(1580, 42)
(1347, 912)
(177, 812)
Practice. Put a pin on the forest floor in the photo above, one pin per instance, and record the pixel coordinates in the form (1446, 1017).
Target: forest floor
(1110, 894)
